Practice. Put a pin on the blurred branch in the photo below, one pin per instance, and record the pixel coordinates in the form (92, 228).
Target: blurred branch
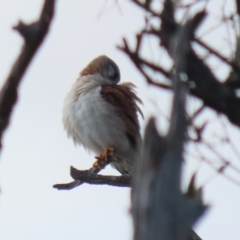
(33, 35)
(140, 62)
(193, 236)
(218, 55)
(146, 5)
(224, 99)
(160, 210)
(220, 170)
(238, 6)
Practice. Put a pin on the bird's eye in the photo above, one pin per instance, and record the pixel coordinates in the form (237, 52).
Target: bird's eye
(113, 73)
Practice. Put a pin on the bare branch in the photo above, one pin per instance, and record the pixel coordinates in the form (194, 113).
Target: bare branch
(217, 54)
(147, 6)
(140, 62)
(96, 168)
(224, 99)
(33, 35)
(238, 6)
(93, 178)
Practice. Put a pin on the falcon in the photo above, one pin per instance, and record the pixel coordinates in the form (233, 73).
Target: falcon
(102, 115)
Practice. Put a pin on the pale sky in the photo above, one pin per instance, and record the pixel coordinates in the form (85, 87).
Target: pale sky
(37, 152)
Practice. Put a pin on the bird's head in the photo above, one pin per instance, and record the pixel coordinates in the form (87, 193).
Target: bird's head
(105, 67)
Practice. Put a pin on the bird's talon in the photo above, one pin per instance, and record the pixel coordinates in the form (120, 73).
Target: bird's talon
(97, 164)
(98, 158)
(108, 153)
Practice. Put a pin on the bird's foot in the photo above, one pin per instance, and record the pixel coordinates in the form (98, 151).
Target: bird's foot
(104, 158)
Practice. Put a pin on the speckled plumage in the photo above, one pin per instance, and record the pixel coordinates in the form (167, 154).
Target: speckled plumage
(99, 113)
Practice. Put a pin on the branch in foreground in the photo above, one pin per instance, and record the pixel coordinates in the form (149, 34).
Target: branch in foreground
(224, 99)
(160, 210)
(33, 35)
(140, 62)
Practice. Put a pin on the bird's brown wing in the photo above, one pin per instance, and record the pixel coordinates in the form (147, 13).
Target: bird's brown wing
(124, 100)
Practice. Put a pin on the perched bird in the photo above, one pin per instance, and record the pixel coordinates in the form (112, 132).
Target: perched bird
(102, 115)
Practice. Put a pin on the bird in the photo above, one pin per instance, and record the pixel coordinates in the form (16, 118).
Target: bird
(102, 115)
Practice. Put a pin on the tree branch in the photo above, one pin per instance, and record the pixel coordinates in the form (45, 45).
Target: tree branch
(224, 99)
(33, 35)
(140, 62)
(93, 178)
(160, 210)
(81, 176)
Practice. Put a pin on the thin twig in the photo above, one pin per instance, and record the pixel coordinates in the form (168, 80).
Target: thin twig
(146, 7)
(139, 62)
(220, 170)
(217, 54)
(232, 145)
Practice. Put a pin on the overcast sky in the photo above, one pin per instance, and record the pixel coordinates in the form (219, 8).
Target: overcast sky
(37, 153)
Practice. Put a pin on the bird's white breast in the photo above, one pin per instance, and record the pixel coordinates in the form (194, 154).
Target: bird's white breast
(91, 121)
